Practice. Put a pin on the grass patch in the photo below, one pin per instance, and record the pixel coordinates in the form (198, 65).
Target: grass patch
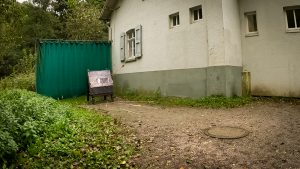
(39, 132)
(206, 102)
(75, 101)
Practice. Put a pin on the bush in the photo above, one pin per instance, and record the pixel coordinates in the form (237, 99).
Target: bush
(26, 64)
(24, 118)
(22, 76)
(19, 81)
(39, 132)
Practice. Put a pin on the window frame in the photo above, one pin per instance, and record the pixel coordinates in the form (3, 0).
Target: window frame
(297, 27)
(248, 33)
(175, 16)
(192, 14)
(130, 54)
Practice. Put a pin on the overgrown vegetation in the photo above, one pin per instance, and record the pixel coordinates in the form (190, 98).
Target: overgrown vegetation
(206, 102)
(39, 132)
(18, 81)
(23, 24)
(23, 76)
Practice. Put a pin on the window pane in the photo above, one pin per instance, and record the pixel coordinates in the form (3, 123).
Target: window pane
(133, 49)
(200, 13)
(130, 49)
(297, 12)
(252, 24)
(290, 18)
(174, 20)
(255, 23)
(195, 15)
(178, 20)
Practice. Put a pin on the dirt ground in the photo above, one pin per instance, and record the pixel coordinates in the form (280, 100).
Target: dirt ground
(172, 137)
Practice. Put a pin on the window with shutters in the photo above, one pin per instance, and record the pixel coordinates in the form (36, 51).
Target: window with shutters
(292, 18)
(131, 44)
(174, 20)
(196, 14)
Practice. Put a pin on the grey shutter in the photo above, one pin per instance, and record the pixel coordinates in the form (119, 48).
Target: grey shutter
(122, 47)
(138, 41)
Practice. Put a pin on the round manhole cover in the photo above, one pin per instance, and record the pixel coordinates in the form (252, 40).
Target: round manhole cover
(226, 132)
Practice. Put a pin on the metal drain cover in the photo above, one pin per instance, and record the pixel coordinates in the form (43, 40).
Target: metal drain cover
(226, 132)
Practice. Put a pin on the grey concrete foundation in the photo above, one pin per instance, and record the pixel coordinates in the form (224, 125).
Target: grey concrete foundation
(194, 83)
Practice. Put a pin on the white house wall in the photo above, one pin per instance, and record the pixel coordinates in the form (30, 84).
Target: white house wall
(189, 60)
(232, 33)
(272, 57)
(182, 47)
(215, 33)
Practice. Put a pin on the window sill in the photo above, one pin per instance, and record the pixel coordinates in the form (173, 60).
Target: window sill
(130, 59)
(173, 27)
(295, 30)
(196, 21)
(251, 34)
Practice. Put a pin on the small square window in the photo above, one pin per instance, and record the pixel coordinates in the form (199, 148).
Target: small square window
(174, 20)
(251, 24)
(293, 19)
(196, 13)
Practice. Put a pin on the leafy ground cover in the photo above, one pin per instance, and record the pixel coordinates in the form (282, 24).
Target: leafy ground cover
(39, 132)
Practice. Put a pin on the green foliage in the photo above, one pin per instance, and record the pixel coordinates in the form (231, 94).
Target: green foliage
(206, 102)
(38, 24)
(24, 117)
(11, 36)
(19, 81)
(85, 18)
(22, 25)
(39, 132)
(75, 101)
(43, 4)
(26, 64)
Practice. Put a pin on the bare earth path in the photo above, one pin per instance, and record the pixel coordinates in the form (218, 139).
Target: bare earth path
(173, 137)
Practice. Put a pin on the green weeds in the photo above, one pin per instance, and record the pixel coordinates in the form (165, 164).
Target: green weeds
(206, 102)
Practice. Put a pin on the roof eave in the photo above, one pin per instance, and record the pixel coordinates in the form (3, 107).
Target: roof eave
(108, 9)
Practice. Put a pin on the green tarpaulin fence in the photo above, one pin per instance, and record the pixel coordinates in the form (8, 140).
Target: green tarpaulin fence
(62, 66)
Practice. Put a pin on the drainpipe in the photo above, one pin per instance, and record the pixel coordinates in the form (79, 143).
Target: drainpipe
(246, 83)
(107, 24)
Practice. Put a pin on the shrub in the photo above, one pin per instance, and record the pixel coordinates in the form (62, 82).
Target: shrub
(26, 64)
(24, 117)
(19, 81)
(39, 132)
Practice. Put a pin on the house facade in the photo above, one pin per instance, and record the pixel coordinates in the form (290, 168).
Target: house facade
(200, 48)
